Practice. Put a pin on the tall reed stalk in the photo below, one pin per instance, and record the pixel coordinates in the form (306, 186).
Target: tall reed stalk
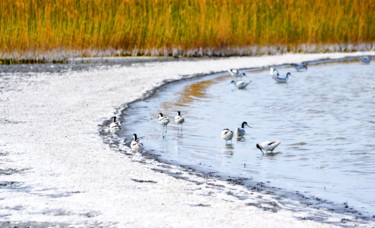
(42, 25)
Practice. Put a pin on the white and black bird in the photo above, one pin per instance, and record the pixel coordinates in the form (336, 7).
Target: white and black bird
(299, 66)
(164, 121)
(136, 145)
(115, 126)
(178, 119)
(267, 146)
(227, 135)
(240, 84)
(240, 131)
(236, 73)
(274, 72)
(365, 59)
(279, 79)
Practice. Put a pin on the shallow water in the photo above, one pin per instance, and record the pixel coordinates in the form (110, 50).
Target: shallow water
(324, 117)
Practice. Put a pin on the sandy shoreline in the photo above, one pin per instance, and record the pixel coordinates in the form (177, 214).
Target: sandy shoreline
(63, 173)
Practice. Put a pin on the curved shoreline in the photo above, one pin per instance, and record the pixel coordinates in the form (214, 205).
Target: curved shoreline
(68, 176)
(276, 196)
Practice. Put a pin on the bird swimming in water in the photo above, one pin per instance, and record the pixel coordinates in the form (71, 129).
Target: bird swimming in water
(300, 66)
(227, 135)
(164, 121)
(282, 80)
(114, 126)
(365, 59)
(267, 146)
(240, 131)
(136, 145)
(178, 119)
(236, 73)
(240, 84)
(274, 72)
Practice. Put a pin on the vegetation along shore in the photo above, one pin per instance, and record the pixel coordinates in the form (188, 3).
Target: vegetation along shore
(53, 30)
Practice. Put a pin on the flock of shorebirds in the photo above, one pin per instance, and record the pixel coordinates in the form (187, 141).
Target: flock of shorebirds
(241, 84)
(135, 144)
(226, 134)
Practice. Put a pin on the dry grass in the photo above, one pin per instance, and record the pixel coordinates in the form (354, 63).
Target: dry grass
(140, 26)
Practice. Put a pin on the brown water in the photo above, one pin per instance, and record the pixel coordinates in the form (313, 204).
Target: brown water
(324, 117)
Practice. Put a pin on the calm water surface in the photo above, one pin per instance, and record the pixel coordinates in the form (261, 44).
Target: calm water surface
(324, 117)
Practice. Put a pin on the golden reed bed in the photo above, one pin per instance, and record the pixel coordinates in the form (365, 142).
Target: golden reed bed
(137, 27)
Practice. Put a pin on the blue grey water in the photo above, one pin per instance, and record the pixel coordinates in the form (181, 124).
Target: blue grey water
(324, 118)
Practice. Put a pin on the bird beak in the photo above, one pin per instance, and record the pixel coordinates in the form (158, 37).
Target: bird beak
(261, 151)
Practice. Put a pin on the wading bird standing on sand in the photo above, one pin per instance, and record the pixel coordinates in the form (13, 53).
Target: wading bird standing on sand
(267, 146)
(136, 145)
(114, 126)
(178, 119)
(227, 135)
(164, 121)
(240, 131)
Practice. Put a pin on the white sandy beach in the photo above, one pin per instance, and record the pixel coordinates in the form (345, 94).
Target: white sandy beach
(49, 131)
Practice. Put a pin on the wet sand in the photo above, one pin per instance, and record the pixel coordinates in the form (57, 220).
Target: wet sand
(61, 172)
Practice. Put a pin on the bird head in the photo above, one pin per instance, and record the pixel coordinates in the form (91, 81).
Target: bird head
(259, 148)
(245, 124)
